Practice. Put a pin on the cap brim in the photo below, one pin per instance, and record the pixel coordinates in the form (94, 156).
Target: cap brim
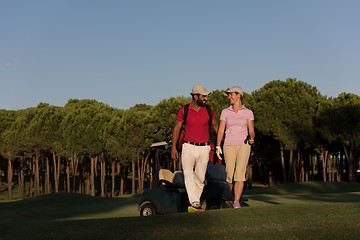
(203, 93)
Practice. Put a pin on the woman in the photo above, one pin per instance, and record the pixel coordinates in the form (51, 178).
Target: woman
(239, 124)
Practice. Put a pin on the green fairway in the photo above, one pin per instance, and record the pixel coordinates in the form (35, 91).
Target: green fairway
(292, 211)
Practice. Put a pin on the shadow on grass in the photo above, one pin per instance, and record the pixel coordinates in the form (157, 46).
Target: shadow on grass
(313, 221)
(307, 188)
(331, 192)
(65, 206)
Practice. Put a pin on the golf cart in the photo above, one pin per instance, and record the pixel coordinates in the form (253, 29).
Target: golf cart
(168, 192)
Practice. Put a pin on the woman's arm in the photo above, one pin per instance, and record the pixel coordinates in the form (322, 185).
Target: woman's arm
(220, 133)
(251, 131)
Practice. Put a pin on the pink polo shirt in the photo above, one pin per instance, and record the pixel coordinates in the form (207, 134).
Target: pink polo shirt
(196, 127)
(236, 125)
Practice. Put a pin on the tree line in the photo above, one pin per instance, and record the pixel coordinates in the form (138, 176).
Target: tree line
(91, 148)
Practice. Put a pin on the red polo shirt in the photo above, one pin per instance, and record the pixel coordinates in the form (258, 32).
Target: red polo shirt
(196, 128)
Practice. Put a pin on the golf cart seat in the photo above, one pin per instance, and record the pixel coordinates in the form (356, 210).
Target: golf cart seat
(179, 180)
(169, 180)
(216, 172)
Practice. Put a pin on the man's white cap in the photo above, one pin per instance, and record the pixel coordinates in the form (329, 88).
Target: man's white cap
(234, 89)
(199, 89)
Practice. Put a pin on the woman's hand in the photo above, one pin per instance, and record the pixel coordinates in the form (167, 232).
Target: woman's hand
(218, 152)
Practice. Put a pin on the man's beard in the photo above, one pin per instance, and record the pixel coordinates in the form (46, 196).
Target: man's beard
(201, 103)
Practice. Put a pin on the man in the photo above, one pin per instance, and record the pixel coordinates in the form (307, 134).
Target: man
(196, 146)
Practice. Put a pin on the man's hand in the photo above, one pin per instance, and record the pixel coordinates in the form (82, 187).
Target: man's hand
(174, 154)
(218, 152)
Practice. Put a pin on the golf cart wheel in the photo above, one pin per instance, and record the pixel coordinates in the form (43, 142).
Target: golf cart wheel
(147, 209)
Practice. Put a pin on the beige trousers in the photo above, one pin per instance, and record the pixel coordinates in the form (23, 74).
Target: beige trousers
(236, 160)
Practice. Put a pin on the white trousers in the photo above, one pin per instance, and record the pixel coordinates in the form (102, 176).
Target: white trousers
(194, 163)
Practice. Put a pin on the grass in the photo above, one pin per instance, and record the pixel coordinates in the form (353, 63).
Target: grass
(314, 210)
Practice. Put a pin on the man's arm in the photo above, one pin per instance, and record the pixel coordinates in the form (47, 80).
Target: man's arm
(215, 125)
(175, 138)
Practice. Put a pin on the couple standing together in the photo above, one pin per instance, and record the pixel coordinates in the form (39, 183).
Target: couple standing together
(236, 121)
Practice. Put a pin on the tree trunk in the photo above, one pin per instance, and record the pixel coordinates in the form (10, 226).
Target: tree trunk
(56, 183)
(249, 176)
(95, 167)
(324, 158)
(144, 170)
(271, 181)
(92, 175)
(22, 182)
(297, 166)
(302, 162)
(118, 168)
(31, 186)
(122, 180)
(139, 175)
(10, 176)
(334, 167)
(81, 175)
(67, 176)
(330, 160)
(313, 168)
(37, 178)
(291, 166)
(133, 177)
(34, 175)
(87, 186)
(74, 169)
(296, 162)
(56, 171)
(283, 161)
(113, 173)
(47, 177)
(121, 186)
(19, 180)
(341, 168)
(351, 162)
(118, 173)
(102, 177)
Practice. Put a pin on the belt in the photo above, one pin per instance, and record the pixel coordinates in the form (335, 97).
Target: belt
(198, 144)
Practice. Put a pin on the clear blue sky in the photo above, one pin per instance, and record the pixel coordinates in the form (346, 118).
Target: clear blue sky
(124, 52)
